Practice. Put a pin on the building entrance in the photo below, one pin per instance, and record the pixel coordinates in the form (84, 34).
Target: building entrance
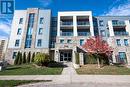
(66, 55)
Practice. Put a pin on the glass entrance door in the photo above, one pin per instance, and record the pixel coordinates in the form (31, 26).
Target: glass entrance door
(65, 56)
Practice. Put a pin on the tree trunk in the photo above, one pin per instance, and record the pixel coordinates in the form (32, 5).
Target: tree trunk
(98, 62)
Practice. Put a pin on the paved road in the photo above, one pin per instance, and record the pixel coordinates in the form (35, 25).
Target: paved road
(78, 85)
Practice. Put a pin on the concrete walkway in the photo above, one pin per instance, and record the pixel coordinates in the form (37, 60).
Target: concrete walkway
(69, 69)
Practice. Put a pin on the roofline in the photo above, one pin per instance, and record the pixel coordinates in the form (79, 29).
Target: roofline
(111, 16)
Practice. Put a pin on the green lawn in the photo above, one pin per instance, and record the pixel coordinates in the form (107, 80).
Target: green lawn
(12, 83)
(106, 70)
(29, 69)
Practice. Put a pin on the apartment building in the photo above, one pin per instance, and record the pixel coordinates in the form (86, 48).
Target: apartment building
(73, 28)
(30, 32)
(35, 30)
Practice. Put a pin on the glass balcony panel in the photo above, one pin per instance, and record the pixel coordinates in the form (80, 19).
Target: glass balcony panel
(83, 23)
(120, 23)
(67, 34)
(66, 23)
(121, 33)
(83, 34)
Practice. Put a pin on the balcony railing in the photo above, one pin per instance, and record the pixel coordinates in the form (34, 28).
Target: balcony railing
(83, 23)
(66, 23)
(67, 34)
(83, 34)
(118, 23)
(121, 33)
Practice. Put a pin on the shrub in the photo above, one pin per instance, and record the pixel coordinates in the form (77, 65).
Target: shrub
(77, 58)
(55, 64)
(29, 57)
(33, 55)
(20, 59)
(17, 58)
(90, 59)
(24, 57)
(41, 59)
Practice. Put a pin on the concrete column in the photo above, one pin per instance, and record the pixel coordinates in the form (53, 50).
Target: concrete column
(74, 26)
(57, 56)
(91, 26)
(128, 58)
(127, 23)
(73, 55)
(58, 26)
(110, 28)
(113, 57)
(81, 58)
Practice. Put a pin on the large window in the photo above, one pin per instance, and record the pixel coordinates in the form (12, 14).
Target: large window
(126, 42)
(118, 42)
(122, 57)
(40, 31)
(41, 20)
(29, 30)
(17, 42)
(19, 31)
(39, 42)
(21, 21)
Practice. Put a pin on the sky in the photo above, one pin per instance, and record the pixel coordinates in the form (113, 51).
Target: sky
(98, 8)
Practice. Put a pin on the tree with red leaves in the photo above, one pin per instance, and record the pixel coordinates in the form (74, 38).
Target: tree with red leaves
(96, 45)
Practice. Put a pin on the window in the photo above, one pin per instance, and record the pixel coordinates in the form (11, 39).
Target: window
(29, 30)
(40, 31)
(17, 43)
(122, 57)
(118, 41)
(41, 20)
(126, 42)
(21, 21)
(103, 34)
(69, 41)
(81, 42)
(39, 42)
(101, 22)
(14, 55)
(61, 41)
(19, 31)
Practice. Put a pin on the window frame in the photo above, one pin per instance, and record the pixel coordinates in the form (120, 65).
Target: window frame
(118, 40)
(17, 43)
(125, 42)
(41, 20)
(20, 31)
(39, 44)
(21, 21)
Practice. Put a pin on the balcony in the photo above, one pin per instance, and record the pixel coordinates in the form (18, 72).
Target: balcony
(121, 33)
(66, 25)
(83, 34)
(83, 23)
(66, 34)
(118, 24)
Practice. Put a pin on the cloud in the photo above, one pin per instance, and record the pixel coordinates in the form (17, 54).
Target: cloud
(45, 3)
(5, 28)
(120, 10)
